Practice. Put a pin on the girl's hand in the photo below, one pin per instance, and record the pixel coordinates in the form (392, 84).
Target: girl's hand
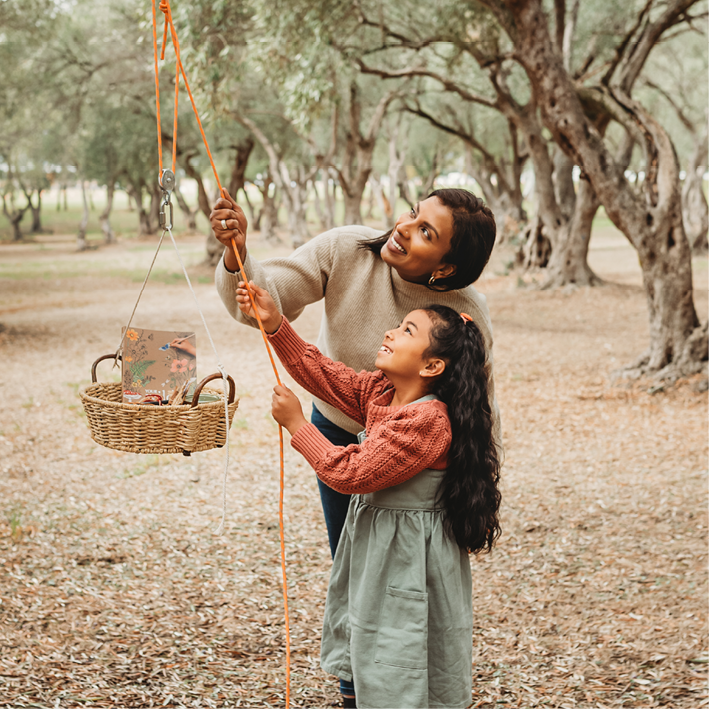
(225, 208)
(286, 409)
(270, 317)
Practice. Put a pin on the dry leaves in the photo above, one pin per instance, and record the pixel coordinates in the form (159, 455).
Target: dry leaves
(115, 592)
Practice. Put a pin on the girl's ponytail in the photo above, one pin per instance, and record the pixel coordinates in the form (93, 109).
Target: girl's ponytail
(468, 493)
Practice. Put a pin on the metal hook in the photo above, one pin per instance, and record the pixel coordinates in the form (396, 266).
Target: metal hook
(167, 185)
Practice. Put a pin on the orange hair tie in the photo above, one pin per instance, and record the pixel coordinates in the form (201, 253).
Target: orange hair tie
(466, 317)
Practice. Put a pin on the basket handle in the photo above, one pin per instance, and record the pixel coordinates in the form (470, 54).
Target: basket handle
(200, 386)
(100, 359)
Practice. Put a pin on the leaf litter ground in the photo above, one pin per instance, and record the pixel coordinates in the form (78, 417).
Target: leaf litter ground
(115, 590)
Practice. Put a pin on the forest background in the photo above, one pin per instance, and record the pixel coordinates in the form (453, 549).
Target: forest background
(582, 125)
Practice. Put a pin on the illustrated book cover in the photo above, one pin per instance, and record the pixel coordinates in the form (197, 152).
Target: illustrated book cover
(157, 362)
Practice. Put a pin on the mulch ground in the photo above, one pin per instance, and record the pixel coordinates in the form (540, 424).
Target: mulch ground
(115, 590)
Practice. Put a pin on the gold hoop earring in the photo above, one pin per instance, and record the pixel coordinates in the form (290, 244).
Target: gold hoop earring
(431, 280)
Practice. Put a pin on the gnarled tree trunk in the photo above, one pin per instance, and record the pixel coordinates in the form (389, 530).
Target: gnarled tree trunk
(568, 263)
(81, 243)
(105, 218)
(13, 214)
(188, 213)
(652, 220)
(268, 217)
(695, 211)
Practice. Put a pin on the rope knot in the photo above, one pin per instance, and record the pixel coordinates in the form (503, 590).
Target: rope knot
(165, 7)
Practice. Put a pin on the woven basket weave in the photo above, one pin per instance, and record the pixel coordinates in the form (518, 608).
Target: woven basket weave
(140, 428)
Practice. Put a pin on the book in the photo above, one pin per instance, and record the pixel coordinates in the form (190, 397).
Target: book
(157, 362)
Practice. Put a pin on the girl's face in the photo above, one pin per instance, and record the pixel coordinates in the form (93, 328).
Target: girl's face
(419, 241)
(402, 352)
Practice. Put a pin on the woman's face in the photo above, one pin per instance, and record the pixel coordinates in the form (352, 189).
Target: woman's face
(419, 241)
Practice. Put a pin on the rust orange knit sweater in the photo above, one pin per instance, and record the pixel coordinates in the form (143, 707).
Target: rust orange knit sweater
(401, 440)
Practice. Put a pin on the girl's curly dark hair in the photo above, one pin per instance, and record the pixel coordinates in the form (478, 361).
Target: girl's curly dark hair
(468, 493)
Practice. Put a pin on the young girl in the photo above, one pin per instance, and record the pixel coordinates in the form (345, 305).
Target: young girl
(424, 475)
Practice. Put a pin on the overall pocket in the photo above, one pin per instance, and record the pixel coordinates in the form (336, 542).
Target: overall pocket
(402, 636)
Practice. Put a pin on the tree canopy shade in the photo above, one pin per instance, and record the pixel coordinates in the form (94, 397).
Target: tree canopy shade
(595, 101)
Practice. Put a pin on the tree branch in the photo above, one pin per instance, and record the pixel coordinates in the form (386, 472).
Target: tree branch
(680, 113)
(419, 71)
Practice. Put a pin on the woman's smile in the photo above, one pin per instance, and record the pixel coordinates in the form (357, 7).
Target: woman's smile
(395, 245)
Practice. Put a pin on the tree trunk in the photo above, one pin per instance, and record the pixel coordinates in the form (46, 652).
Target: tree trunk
(665, 258)
(503, 198)
(37, 214)
(135, 195)
(384, 207)
(651, 219)
(293, 187)
(319, 210)
(81, 243)
(252, 211)
(269, 211)
(353, 204)
(36, 211)
(404, 192)
(105, 218)
(427, 185)
(397, 158)
(536, 247)
(238, 169)
(330, 197)
(695, 211)
(359, 148)
(568, 263)
(189, 214)
(154, 213)
(213, 248)
(14, 216)
(296, 203)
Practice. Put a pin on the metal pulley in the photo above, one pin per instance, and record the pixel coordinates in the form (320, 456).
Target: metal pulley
(167, 185)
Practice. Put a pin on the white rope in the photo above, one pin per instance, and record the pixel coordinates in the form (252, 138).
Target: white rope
(220, 367)
(142, 288)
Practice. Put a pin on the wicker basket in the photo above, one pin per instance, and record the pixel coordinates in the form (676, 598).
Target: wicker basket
(137, 428)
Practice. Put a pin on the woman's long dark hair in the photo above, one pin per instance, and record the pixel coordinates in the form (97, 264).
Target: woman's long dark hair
(474, 234)
(468, 493)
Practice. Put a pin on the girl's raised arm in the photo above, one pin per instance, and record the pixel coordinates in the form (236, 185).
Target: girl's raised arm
(333, 382)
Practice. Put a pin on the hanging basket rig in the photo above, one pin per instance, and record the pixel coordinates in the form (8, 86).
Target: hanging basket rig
(139, 428)
(114, 423)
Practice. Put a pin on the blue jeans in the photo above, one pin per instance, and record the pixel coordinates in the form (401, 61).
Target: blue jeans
(334, 504)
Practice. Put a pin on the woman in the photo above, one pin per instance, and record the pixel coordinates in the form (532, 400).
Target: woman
(369, 282)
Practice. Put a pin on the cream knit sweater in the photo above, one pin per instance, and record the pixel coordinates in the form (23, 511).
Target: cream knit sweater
(364, 297)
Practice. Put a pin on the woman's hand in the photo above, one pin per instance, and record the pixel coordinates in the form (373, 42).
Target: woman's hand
(271, 319)
(286, 409)
(226, 209)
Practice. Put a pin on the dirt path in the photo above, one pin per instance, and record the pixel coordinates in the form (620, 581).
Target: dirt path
(115, 591)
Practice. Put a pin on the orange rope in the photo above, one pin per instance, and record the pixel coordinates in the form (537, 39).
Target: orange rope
(180, 69)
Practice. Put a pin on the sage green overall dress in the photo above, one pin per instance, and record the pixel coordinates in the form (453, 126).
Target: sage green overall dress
(398, 616)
